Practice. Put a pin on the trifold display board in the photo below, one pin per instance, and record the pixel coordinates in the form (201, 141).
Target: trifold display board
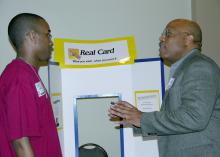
(86, 94)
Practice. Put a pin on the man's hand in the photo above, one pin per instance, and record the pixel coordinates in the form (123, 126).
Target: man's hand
(126, 111)
(23, 147)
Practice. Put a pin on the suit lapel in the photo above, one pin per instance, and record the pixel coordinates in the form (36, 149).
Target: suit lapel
(181, 67)
(186, 62)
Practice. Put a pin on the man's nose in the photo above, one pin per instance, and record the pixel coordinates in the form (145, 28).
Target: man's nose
(162, 37)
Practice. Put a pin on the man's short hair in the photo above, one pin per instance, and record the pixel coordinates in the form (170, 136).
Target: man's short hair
(20, 25)
(193, 28)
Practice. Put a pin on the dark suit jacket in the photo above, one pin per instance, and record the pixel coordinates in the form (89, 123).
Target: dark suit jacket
(188, 124)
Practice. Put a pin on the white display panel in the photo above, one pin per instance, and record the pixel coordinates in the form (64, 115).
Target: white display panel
(93, 81)
(55, 91)
(145, 74)
(148, 75)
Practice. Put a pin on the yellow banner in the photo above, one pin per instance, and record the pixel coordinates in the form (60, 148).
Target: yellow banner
(94, 53)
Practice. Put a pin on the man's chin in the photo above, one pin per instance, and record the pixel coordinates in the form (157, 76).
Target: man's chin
(165, 60)
(161, 54)
(44, 63)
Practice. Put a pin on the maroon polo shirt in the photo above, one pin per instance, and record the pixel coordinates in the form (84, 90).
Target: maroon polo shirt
(26, 109)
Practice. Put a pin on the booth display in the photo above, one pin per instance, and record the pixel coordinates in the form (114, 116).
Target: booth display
(84, 92)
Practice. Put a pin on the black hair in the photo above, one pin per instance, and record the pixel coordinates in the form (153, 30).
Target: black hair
(20, 25)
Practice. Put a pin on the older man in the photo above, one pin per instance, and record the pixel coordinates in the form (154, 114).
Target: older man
(188, 123)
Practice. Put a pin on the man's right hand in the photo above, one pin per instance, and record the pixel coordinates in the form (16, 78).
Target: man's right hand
(127, 112)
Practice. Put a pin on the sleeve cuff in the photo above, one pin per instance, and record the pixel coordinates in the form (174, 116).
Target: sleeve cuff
(19, 133)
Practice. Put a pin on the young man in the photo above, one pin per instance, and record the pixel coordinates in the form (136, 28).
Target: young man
(188, 123)
(27, 115)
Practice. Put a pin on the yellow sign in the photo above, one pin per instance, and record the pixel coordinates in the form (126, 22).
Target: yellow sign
(94, 53)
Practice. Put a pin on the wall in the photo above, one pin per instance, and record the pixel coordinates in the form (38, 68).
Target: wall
(97, 19)
(206, 13)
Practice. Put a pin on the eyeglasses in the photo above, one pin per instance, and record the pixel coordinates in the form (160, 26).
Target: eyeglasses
(167, 33)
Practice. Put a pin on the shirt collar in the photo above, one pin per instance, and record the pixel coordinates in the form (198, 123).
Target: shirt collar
(175, 65)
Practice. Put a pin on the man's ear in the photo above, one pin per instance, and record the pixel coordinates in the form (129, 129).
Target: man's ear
(190, 39)
(31, 36)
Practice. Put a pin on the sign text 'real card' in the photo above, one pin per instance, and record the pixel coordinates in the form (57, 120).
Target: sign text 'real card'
(100, 52)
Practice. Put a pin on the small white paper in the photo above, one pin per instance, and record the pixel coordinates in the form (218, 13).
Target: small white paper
(40, 89)
(170, 83)
(148, 101)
